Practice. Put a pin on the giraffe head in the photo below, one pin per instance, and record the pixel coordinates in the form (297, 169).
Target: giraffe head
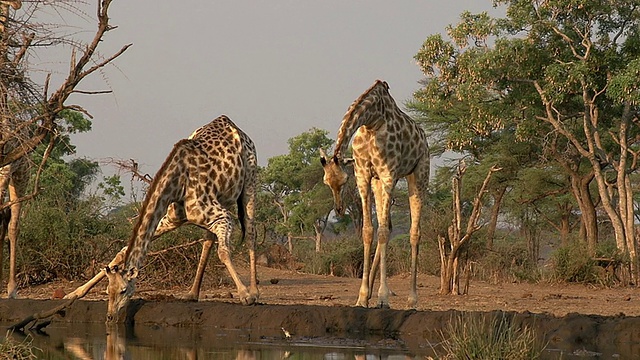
(335, 177)
(122, 284)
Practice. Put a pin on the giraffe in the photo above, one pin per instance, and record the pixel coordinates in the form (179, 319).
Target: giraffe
(13, 176)
(13, 184)
(387, 146)
(203, 177)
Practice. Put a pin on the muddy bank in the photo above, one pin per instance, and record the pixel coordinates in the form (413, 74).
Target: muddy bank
(409, 329)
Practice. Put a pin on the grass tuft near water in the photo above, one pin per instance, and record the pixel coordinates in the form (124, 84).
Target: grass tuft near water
(480, 336)
(14, 350)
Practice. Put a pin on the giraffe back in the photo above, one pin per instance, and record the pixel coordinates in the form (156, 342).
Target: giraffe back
(215, 165)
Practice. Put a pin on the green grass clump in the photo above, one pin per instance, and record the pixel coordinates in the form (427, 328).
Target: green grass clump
(14, 350)
(481, 336)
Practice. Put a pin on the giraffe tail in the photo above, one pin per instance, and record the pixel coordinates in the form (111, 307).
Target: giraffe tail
(241, 217)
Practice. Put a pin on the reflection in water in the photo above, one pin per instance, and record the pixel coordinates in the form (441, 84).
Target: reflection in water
(118, 342)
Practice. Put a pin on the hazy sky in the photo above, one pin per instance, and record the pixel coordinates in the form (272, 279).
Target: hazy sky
(277, 68)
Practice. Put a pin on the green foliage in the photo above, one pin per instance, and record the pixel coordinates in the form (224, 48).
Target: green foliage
(292, 190)
(489, 336)
(11, 349)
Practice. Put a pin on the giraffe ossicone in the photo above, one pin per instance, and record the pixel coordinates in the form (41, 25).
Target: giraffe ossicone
(387, 145)
(199, 183)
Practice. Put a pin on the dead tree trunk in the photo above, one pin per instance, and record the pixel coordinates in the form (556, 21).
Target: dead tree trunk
(450, 262)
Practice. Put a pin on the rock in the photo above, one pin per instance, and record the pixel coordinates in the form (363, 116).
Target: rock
(58, 293)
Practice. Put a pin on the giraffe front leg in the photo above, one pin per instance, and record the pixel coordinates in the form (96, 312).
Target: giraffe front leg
(367, 238)
(383, 290)
(382, 194)
(364, 294)
(194, 292)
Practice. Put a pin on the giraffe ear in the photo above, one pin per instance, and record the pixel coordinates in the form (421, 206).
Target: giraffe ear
(347, 161)
(323, 157)
(132, 273)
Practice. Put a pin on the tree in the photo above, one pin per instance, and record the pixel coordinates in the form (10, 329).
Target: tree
(562, 71)
(293, 182)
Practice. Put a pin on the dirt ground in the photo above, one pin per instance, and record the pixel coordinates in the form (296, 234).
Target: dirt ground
(287, 287)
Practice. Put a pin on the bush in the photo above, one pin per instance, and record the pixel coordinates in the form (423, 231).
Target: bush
(66, 242)
(340, 257)
(572, 263)
(485, 336)
(508, 261)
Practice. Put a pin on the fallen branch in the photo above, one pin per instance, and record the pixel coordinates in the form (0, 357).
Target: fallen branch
(44, 315)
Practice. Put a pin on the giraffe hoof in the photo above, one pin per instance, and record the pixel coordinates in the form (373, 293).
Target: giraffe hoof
(189, 297)
(249, 300)
(412, 304)
(363, 304)
(383, 305)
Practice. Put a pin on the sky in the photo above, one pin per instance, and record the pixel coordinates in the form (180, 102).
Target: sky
(277, 68)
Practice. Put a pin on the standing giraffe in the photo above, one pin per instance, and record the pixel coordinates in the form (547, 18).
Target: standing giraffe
(387, 145)
(13, 183)
(203, 177)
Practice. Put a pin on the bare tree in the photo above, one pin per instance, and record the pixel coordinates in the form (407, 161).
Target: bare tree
(30, 112)
(458, 237)
(27, 106)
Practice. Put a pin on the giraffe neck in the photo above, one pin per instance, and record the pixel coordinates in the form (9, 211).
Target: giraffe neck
(368, 110)
(164, 190)
(144, 229)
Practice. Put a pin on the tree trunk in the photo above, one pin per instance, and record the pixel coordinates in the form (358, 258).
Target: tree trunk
(495, 212)
(580, 190)
(318, 236)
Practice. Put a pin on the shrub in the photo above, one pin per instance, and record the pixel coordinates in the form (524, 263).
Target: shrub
(340, 257)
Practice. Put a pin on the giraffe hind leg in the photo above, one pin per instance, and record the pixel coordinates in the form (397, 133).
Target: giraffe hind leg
(5, 215)
(174, 218)
(222, 229)
(14, 193)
